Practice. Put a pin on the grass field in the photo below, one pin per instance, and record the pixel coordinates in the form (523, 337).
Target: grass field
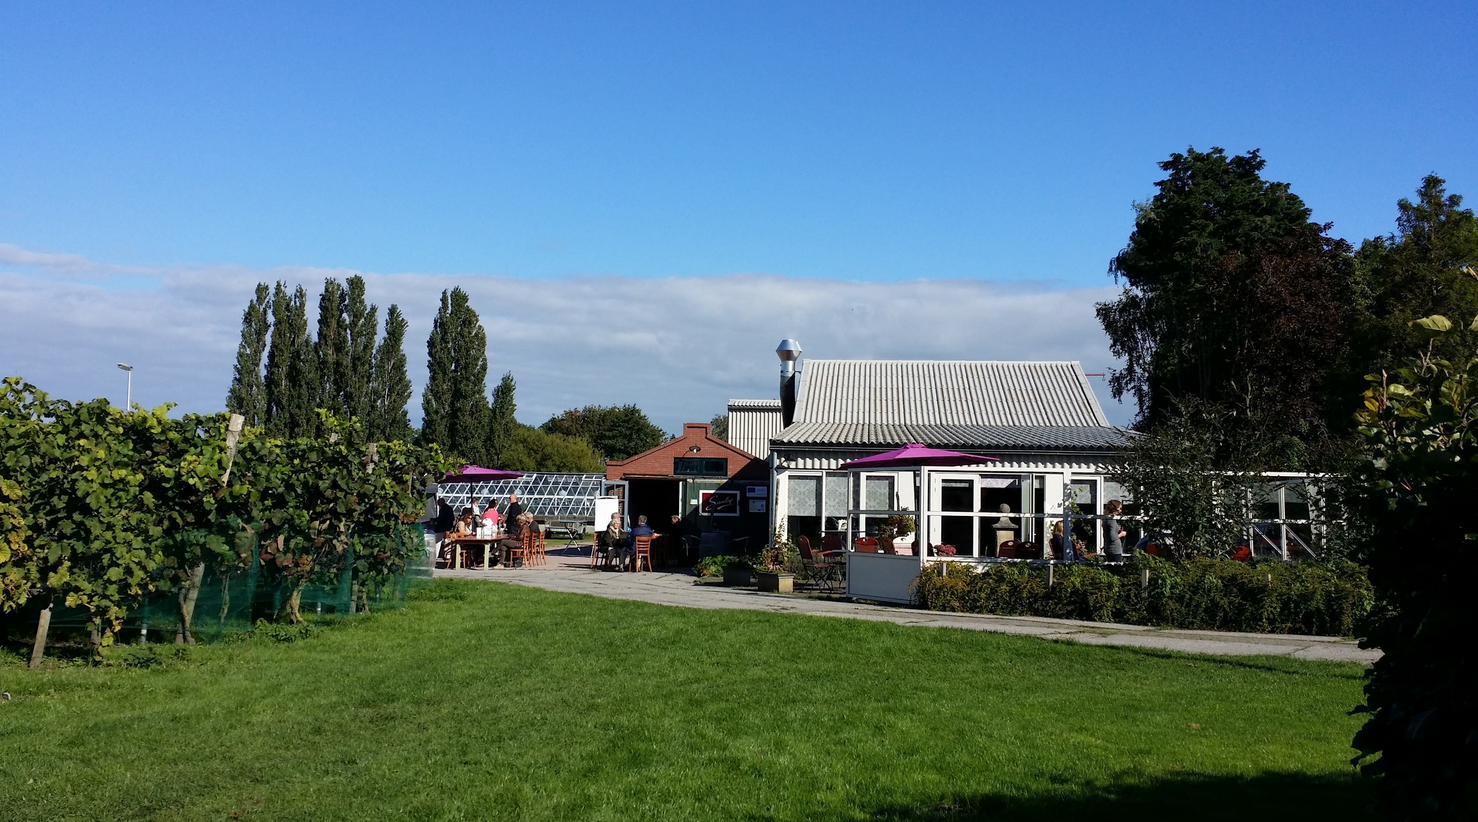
(489, 701)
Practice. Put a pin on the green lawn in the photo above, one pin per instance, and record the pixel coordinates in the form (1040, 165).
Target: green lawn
(490, 701)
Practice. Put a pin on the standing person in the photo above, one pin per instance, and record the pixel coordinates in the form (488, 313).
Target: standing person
(514, 509)
(489, 517)
(1113, 532)
(446, 520)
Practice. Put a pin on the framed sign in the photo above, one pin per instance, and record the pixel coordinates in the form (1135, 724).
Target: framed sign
(757, 491)
(757, 506)
(719, 503)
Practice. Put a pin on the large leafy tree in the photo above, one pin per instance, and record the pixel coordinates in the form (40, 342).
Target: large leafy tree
(390, 385)
(248, 393)
(1232, 296)
(1415, 272)
(536, 450)
(1419, 424)
(616, 432)
(502, 424)
(454, 404)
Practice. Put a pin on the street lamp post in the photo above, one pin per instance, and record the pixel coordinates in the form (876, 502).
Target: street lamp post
(128, 397)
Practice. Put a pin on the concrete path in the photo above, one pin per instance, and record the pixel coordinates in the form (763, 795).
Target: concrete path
(572, 574)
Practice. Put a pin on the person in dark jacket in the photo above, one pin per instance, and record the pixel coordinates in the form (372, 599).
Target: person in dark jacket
(1113, 532)
(514, 509)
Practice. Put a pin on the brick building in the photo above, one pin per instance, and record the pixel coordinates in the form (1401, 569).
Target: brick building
(711, 484)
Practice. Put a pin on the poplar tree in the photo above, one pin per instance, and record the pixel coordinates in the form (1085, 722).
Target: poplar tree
(502, 426)
(361, 324)
(279, 355)
(332, 348)
(304, 386)
(454, 404)
(248, 393)
(390, 384)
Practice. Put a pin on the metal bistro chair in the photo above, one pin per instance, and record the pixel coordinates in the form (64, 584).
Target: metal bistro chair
(819, 568)
(641, 548)
(865, 545)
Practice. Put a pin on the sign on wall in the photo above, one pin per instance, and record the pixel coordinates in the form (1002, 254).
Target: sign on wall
(719, 503)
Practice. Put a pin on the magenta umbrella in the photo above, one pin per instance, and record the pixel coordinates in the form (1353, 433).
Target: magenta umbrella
(915, 454)
(476, 473)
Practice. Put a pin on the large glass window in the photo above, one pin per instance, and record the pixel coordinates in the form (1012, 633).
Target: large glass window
(803, 506)
(700, 466)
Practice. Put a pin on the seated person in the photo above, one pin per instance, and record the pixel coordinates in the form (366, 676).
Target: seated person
(641, 529)
(522, 525)
(611, 539)
(466, 526)
(1062, 547)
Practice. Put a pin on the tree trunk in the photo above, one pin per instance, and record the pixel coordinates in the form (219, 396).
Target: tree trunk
(290, 607)
(188, 596)
(38, 650)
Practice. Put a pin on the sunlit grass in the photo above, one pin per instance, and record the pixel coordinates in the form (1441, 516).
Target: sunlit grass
(494, 701)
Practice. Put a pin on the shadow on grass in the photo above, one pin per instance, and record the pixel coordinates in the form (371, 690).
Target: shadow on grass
(1267, 798)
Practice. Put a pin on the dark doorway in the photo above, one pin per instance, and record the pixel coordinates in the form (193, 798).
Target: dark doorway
(656, 499)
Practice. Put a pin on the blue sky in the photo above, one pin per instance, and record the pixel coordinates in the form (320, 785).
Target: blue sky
(558, 141)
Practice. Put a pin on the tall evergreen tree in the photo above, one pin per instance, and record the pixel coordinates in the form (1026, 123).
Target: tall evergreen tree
(304, 386)
(454, 403)
(502, 425)
(279, 355)
(332, 347)
(248, 393)
(361, 324)
(390, 386)
(1232, 295)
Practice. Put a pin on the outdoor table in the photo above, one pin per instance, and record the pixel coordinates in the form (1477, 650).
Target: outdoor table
(487, 544)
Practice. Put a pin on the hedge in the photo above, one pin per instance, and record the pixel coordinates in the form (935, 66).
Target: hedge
(1273, 597)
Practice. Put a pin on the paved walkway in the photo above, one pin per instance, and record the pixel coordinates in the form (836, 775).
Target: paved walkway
(572, 574)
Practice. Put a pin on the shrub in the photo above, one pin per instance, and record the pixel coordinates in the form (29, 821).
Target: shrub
(1327, 599)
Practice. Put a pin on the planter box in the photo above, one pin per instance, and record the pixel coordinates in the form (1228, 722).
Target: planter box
(775, 582)
(737, 576)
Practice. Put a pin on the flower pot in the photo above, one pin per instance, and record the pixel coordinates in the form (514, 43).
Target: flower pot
(776, 582)
(737, 575)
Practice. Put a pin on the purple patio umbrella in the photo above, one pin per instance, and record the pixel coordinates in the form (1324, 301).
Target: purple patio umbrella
(915, 454)
(476, 473)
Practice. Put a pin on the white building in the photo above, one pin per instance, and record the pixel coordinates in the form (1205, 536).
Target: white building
(1039, 420)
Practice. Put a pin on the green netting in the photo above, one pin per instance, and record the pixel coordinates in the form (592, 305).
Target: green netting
(231, 598)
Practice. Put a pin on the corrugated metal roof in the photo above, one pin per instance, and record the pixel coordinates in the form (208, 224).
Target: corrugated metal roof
(946, 392)
(753, 423)
(967, 437)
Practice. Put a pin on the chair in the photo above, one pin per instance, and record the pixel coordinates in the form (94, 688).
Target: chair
(536, 549)
(521, 552)
(1007, 549)
(865, 545)
(1241, 554)
(641, 548)
(832, 542)
(819, 569)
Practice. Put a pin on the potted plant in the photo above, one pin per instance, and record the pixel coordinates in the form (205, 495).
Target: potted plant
(773, 570)
(738, 570)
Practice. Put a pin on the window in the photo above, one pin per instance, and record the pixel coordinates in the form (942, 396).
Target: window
(700, 466)
(803, 506)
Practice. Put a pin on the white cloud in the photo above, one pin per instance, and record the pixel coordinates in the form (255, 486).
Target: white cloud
(677, 347)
